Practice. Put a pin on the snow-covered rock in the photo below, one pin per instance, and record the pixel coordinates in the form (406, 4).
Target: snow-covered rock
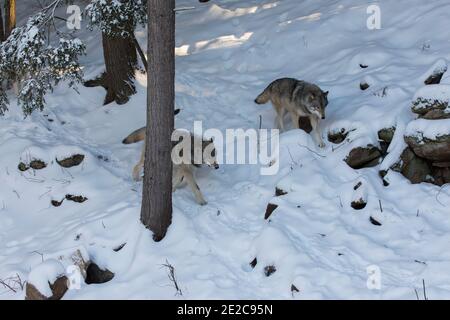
(432, 98)
(47, 281)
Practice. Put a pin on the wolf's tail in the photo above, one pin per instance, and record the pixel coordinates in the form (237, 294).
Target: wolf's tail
(135, 136)
(264, 97)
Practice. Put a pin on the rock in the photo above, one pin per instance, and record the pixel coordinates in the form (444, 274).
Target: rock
(304, 124)
(437, 149)
(22, 167)
(363, 157)
(337, 136)
(72, 161)
(382, 174)
(359, 197)
(37, 164)
(364, 86)
(414, 168)
(46, 281)
(439, 69)
(269, 270)
(79, 199)
(269, 210)
(441, 175)
(58, 288)
(94, 274)
(253, 263)
(436, 114)
(386, 134)
(279, 192)
(374, 222)
(358, 204)
(432, 97)
(294, 289)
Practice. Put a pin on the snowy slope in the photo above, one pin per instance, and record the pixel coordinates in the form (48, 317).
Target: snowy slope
(227, 52)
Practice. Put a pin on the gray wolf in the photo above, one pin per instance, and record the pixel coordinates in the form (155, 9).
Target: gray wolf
(298, 98)
(183, 171)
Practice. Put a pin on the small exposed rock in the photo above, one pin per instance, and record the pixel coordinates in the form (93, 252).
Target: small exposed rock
(337, 137)
(363, 157)
(374, 222)
(72, 161)
(364, 86)
(269, 270)
(22, 167)
(294, 289)
(79, 199)
(253, 263)
(57, 203)
(37, 164)
(96, 275)
(270, 209)
(386, 134)
(363, 66)
(359, 204)
(279, 192)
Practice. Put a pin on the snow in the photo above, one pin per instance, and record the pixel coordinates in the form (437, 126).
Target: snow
(45, 274)
(227, 52)
(430, 129)
(433, 92)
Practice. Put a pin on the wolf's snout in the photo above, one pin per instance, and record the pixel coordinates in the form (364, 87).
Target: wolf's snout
(323, 117)
(216, 166)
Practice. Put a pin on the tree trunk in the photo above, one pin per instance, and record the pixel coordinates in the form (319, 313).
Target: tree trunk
(120, 61)
(2, 30)
(156, 212)
(10, 17)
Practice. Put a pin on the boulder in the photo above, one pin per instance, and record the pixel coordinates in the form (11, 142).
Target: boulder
(47, 281)
(437, 149)
(363, 157)
(431, 98)
(414, 168)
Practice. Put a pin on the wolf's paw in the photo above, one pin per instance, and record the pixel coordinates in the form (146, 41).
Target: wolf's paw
(321, 144)
(203, 202)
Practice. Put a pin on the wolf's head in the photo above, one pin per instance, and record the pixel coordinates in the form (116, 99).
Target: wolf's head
(209, 153)
(314, 100)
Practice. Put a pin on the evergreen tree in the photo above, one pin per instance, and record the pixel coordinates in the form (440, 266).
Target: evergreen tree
(117, 21)
(28, 59)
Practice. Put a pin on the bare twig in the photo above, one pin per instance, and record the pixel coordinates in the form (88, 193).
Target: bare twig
(381, 207)
(172, 277)
(417, 294)
(307, 148)
(424, 290)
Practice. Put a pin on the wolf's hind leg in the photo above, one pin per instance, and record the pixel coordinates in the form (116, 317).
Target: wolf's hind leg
(280, 115)
(137, 168)
(177, 178)
(295, 120)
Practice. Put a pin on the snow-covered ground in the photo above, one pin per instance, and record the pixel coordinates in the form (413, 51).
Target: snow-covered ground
(227, 52)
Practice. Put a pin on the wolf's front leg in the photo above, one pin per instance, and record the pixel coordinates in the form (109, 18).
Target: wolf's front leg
(187, 173)
(316, 131)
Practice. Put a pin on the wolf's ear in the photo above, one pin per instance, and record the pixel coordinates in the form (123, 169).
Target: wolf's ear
(326, 94)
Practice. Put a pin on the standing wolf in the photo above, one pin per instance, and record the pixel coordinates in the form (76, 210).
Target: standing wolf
(183, 171)
(300, 99)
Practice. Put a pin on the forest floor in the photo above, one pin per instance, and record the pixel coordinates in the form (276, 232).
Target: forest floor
(228, 51)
